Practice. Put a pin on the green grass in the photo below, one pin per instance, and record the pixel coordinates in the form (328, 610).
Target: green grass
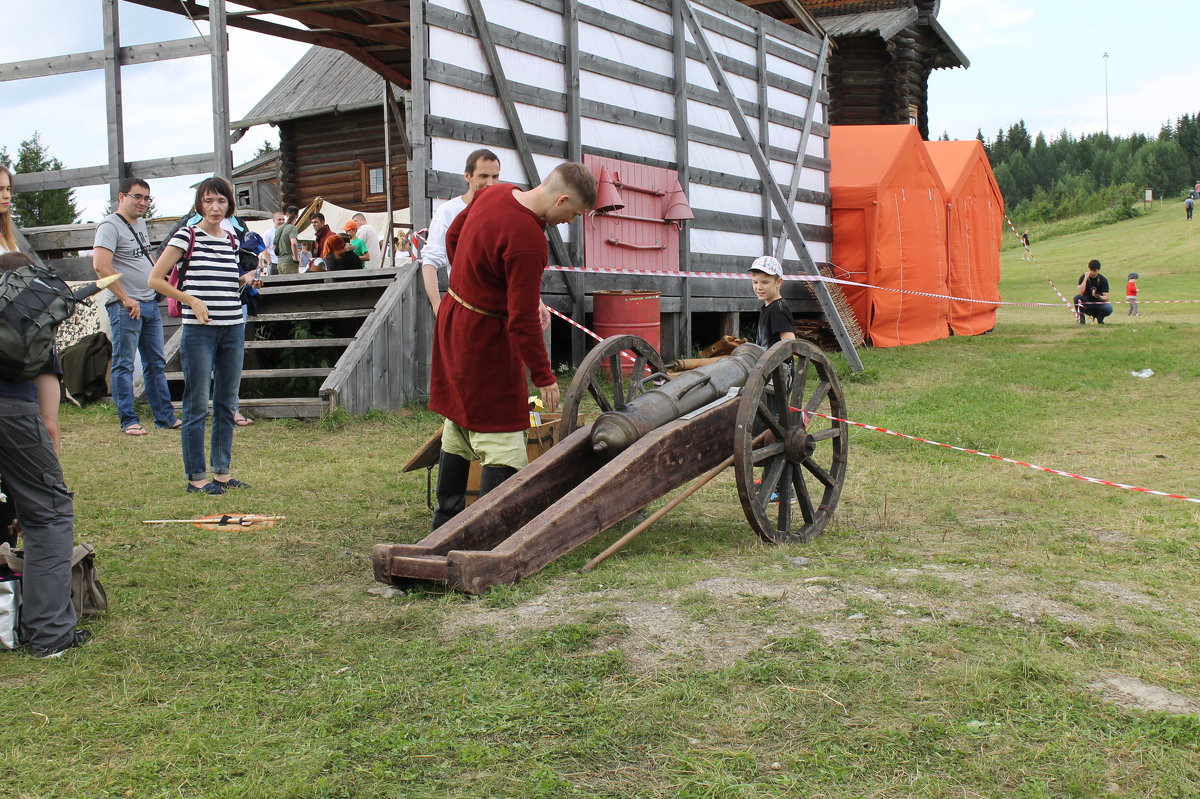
(698, 662)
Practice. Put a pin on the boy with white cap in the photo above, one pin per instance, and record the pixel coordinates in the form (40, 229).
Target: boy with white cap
(775, 322)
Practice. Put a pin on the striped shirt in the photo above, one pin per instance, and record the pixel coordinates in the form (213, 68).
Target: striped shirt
(211, 276)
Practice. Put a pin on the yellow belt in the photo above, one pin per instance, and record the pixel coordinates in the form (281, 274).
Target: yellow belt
(471, 307)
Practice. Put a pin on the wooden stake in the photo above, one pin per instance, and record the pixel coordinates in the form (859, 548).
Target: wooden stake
(664, 510)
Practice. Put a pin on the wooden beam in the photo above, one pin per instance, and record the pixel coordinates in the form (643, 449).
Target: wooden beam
(802, 147)
(400, 118)
(514, 120)
(219, 36)
(682, 158)
(94, 59)
(97, 175)
(392, 8)
(777, 199)
(114, 113)
(764, 126)
(329, 22)
(389, 103)
(574, 281)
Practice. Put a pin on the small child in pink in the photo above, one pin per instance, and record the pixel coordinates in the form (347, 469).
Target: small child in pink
(1131, 294)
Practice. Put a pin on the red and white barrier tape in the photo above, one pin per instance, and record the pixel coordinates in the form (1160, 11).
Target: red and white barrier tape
(865, 426)
(812, 279)
(1059, 472)
(591, 333)
(1029, 250)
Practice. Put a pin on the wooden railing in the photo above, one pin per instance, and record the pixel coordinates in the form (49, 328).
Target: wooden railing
(387, 365)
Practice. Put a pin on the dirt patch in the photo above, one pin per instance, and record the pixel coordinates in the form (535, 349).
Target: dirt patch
(1134, 694)
(715, 622)
(1123, 593)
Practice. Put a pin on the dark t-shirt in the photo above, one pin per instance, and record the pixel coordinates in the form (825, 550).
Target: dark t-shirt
(347, 260)
(774, 319)
(1097, 284)
(27, 390)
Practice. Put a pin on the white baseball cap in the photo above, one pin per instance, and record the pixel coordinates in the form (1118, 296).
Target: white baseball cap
(767, 264)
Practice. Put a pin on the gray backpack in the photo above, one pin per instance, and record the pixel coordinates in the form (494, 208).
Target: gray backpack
(33, 300)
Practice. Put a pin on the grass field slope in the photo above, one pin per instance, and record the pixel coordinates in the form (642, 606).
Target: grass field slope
(966, 628)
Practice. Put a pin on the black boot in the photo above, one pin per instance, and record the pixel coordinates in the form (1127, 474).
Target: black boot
(492, 476)
(451, 487)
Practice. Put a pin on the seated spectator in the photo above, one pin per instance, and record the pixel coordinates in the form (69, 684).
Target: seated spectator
(341, 256)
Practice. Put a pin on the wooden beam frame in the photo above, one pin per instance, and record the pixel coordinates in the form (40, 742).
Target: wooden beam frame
(752, 148)
(94, 59)
(682, 141)
(219, 36)
(492, 56)
(320, 38)
(574, 281)
(114, 112)
(802, 148)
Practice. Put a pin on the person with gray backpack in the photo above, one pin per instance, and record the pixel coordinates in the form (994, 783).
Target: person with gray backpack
(32, 302)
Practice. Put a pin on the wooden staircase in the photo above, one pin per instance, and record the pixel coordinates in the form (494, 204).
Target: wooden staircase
(355, 339)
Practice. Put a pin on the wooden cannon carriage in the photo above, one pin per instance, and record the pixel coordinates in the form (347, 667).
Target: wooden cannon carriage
(789, 460)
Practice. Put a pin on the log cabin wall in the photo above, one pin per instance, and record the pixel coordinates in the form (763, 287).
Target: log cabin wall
(332, 156)
(873, 82)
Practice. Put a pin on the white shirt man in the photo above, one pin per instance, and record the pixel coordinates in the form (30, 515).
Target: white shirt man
(483, 169)
(370, 238)
(268, 256)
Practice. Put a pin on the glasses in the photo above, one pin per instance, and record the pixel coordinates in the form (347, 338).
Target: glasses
(142, 198)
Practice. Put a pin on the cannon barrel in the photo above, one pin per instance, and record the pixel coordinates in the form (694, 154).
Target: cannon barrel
(615, 431)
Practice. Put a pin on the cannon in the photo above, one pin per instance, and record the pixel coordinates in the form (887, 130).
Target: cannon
(778, 413)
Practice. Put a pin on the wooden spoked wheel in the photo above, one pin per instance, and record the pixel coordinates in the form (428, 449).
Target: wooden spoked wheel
(600, 374)
(790, 463)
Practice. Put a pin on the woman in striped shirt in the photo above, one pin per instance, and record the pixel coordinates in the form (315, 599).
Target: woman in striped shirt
(213, 333)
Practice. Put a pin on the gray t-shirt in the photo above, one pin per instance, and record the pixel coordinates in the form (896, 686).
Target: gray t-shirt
(131, 255)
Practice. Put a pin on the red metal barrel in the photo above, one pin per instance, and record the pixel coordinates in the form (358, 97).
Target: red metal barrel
(637, 313)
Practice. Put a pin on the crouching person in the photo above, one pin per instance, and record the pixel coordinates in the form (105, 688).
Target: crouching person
(33, 477)
(489, 329)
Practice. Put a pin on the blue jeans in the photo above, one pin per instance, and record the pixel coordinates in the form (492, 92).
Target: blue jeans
(1097, 310)
(144, 335)
(211, 355)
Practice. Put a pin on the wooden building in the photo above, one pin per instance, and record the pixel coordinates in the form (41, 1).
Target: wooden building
(623, 85)
(328, 109)
(879, 73)
(256, 183)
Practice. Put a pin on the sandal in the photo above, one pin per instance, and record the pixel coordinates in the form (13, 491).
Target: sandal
(242, 421)
(135, 430)
(178, 424)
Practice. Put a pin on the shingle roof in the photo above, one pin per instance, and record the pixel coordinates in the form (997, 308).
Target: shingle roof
(321, 82)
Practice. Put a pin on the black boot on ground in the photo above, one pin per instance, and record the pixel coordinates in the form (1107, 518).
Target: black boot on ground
(492, 476)
(451, 488)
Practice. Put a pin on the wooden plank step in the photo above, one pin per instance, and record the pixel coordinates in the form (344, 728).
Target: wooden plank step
(309, 288)
(280, 407)
(318, 278)
(252, 374)
(312, 316)
(285, 407)
(288, 343)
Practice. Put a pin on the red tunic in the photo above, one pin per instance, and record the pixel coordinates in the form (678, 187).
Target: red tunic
(498, 252)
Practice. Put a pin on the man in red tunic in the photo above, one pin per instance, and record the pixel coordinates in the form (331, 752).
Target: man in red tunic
(488, 329)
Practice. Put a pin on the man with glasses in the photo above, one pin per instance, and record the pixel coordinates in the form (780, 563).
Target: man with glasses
(123, 246)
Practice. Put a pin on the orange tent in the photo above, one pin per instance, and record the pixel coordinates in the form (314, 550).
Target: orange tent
(976, 225)
(889, 231)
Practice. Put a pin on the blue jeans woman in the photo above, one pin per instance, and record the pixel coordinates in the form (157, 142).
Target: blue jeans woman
(213, 337)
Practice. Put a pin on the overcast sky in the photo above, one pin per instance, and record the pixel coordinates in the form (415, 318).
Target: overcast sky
(1037, 60)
